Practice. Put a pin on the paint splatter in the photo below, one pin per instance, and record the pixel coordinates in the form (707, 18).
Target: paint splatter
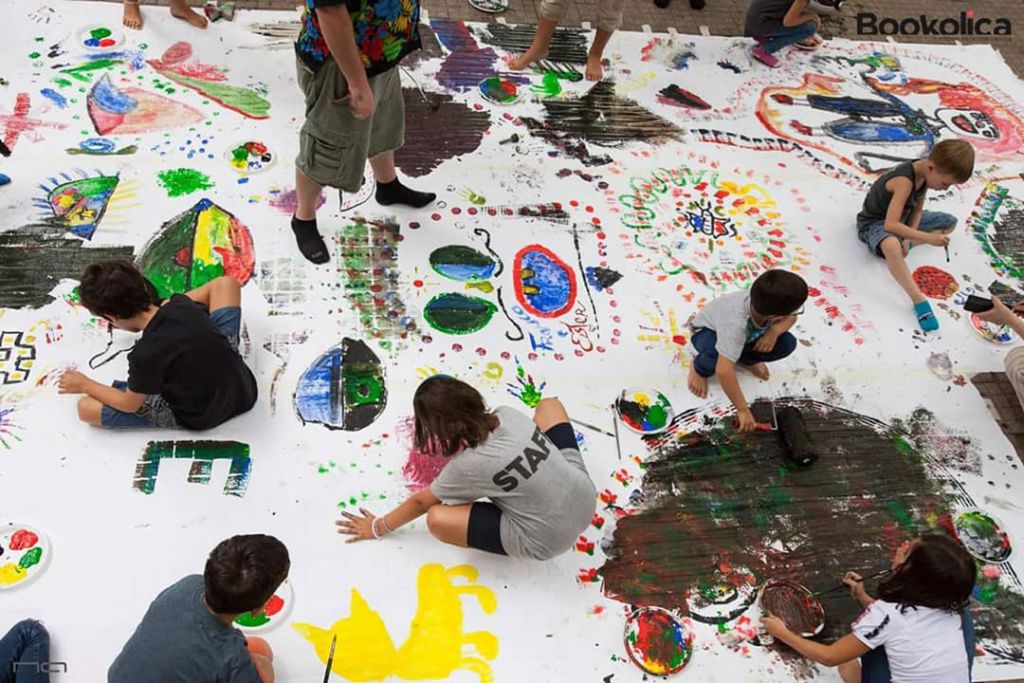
(657, 642)
(729, 66)
(941, 366)
(676, 96)
(568, 45)
(176, 65)
(178, 182)
(602, 278)
(420, 468)
(202, 454)
(526, 388)
(132, 111)
(644, 410)
(288, 201)
(436, 647)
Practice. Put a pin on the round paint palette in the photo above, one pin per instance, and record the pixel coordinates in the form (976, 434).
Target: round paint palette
(657, 642)
(997, 334)
(728, 595)
(100, 38)
(795, 604)
(644, 410)
(490, 6)
(24, 554)
(499, 90)
(983, 536)
(250, 156)
(271, 614)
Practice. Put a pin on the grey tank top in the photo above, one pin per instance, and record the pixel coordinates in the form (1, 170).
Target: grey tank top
(876, 204)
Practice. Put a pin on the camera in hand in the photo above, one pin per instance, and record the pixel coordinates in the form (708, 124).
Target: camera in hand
(978, 304)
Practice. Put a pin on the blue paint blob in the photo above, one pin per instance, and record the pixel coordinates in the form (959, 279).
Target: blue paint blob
(110, 99)
(97, 145)
(54, 96)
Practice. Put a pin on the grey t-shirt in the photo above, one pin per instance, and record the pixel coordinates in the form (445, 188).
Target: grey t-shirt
(546, 496)
(181, 641)
(729, 316)
(764, 17)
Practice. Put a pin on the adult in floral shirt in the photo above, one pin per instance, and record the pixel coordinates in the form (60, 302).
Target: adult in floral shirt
(346, 56)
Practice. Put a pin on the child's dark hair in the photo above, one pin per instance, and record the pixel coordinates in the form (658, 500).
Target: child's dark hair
(450, 416)
(778, 292)
(243, 572)
(116, 289)
(938, 573)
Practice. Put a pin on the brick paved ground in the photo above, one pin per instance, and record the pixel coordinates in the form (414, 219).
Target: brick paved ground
(725, 17)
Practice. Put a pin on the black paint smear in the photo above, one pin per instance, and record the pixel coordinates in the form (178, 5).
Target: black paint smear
(601, 118)
(602, 278)
(33, 259)
(1008, 296)
(716, 497)
(673, 95)
(1008, 236)
(432, 137)
(568, 45)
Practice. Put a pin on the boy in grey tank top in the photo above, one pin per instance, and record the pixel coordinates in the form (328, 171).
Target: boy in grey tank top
(893, 218)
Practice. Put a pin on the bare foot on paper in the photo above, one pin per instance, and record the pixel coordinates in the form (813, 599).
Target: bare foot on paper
(520, 62)
(759, 370)
(181, 10)
(595, 70)
(132, 15)
(698, 385)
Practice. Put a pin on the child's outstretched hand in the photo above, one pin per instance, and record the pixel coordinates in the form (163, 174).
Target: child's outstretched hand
(776, 627)
(72, 382)
(999, 313)
(359, 528)
(856, 583)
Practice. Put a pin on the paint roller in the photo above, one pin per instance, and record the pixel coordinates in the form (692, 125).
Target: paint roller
(797, 444)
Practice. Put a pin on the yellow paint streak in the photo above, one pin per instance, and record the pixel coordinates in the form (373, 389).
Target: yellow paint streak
(434, 648)
(212, 228)
(494, 371)
(11, 574)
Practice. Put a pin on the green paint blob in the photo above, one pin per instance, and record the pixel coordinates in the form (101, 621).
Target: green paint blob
(181, 181)
(31, 558)
(252, 619)
(100, 32)
(33, 55)
(458, 314)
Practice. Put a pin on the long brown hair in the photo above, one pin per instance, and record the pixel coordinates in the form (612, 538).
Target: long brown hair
(938, 573)
(450, 415)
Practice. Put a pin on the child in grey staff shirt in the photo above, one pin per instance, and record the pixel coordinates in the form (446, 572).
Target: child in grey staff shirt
(541, 496)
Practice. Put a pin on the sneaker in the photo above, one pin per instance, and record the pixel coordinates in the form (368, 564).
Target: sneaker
(765, 57)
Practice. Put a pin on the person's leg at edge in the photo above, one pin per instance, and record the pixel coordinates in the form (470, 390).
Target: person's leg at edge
(307, 236)
(29, 642)
(450, 523)
(704, 363)
(181, 10)
(539, 47)
(788, 35)
(609, 19)
(262, 657)
(892, 252)
(132, 15)
(390, 189)
(755, 361)
(1014, 366)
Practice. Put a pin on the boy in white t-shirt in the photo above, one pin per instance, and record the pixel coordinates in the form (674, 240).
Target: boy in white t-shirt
(917, 630)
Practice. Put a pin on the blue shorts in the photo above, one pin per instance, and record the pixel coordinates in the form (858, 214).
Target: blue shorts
(155, 412)
(874, 232)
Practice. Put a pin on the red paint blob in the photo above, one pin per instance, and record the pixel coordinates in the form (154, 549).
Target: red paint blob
(23, 539)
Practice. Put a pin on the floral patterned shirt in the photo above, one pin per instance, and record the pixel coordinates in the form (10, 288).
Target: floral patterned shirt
(385, 30)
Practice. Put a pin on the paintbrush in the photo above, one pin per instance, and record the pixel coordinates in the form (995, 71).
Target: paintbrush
(581, 423)
(615, 421)
(330, 658)
(840, 586)
(947, 253)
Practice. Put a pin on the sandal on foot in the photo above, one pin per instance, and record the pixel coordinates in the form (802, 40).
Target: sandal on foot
(925, 317)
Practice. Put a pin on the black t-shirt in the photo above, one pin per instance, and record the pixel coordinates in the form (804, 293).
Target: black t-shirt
(183, 357)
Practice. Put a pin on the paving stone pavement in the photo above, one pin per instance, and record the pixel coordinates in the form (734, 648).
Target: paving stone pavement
(726, 18)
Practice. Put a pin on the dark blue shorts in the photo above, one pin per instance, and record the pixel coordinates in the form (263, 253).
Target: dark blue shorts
(155, 412)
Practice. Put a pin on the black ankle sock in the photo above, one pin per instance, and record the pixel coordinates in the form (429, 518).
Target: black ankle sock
(397, 193)
(311, 244)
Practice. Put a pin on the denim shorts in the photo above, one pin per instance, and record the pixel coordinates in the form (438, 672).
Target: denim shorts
(154, 411)
(874, 232)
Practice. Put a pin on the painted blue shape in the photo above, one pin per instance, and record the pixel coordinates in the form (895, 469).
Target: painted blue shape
(318, 394)
(855, 105)
(97, 145)
(462, 263)
(110, 99)
(343, 389)
(454, 35)
(871, 131)
(55, 97)
(547, 284)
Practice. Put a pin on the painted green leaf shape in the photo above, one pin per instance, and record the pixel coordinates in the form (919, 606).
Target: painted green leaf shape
(453, 313)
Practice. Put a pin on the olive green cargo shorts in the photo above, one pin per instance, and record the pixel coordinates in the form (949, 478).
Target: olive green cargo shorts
(333, 144)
